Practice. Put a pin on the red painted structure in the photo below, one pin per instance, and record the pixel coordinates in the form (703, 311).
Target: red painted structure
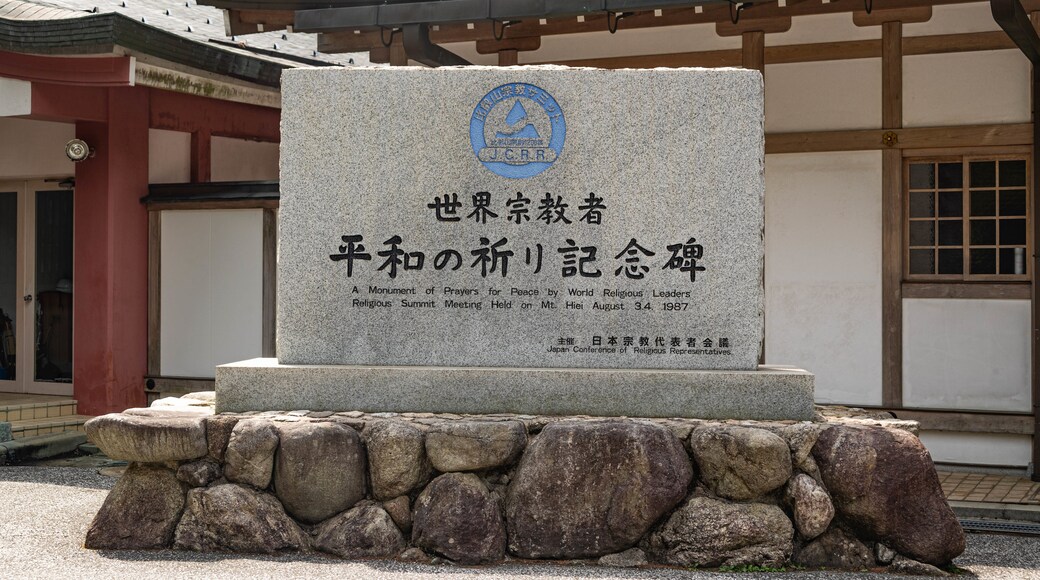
(110, 306)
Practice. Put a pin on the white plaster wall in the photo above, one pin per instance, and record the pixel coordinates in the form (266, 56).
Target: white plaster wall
(823, 28)
(242, 160)
(169, 156)
(823, 96)
(823, 271)
(15, 97)
(966, 354)
(997, 450)
(212, 289)
(967, 88)
(953, 19)
(31, 148)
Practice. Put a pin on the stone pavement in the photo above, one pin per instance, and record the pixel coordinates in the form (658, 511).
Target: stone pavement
(979, 487)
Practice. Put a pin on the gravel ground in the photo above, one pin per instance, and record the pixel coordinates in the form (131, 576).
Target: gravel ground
(47, 510)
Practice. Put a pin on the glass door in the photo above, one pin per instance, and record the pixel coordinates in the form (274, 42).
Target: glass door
(38, 346)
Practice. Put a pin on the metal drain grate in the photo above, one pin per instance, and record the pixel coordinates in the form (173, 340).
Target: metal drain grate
(1000, 526)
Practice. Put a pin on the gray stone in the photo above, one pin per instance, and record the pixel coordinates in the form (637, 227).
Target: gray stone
(250, 453)
(884, 486)
(415, 555)
(199, 473)
(400, 510)
(201, 396)
(810, 504)
(456, 517)
(740, 463)
(218, 434)
(769, 393)
(587, 489)
(236, 518)
(835, 549)
(364, 531)
(883, 554)
(319, 469)
(475, 445)
(140, 513)
(708, 532)
(148, 439)
(801, 437)
(396, 458)
(705, 128)
(5, 431)
(628, 559)
(904, 565)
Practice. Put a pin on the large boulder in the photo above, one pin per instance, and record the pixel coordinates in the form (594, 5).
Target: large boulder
(457, 517)
(249, 457)
(835, 549)
(149, 439)
(740, 463)
(236, 518)
(810, 504)
(884, 486)
(475, 445)
(319, 469)
(584, 490)
(363, 531)
(396, 458)
(141, 511)
(709, 532)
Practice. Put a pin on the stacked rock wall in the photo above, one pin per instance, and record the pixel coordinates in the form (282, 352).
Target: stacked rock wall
(841, 493)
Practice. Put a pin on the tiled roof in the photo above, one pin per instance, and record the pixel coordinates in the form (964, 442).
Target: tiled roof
(188, 19)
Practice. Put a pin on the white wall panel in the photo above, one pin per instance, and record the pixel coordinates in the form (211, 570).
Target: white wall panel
(637, 41)
(34, 148)
(169, 156)
(968, 88)
(241, 160)
(212, 289)
(15, 97)
(823, 96)
(823, 271)
(954, 19)
(823, 28)
(978, 448)
(966, 354)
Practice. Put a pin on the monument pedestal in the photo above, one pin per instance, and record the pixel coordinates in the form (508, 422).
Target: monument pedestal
(769, 393)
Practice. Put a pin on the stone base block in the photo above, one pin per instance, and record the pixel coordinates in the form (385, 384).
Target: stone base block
(769, 393)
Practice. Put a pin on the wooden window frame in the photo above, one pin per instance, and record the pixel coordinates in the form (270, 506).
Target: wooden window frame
(985, 282)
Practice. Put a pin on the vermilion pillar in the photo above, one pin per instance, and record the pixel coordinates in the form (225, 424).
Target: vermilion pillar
(110, 308)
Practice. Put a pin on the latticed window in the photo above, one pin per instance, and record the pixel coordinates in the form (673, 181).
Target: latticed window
(967, 218)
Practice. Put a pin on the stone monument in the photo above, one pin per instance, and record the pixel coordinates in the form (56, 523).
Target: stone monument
(528, 240)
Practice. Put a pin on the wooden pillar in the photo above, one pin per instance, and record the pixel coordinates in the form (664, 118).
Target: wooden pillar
(753, 54)
(201, 156)
(892, 218)
(398, 57)
(508, 57)
(110, 301)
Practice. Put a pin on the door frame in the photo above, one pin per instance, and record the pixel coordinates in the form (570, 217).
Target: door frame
(25, 327)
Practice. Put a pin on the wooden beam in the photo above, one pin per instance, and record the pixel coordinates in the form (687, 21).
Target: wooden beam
(891, 219)
(348, 41)
(154, 291)
(270, 282)
(912, 138)
(904, 15)
(1012, 291)
(242, 22)
(528, 43)
(815, 52)
(176, 386)
(745, 25)
(968, 422)
(398, 56)
(229, 204)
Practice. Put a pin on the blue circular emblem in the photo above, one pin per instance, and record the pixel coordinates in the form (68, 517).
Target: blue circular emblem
(517, 130)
